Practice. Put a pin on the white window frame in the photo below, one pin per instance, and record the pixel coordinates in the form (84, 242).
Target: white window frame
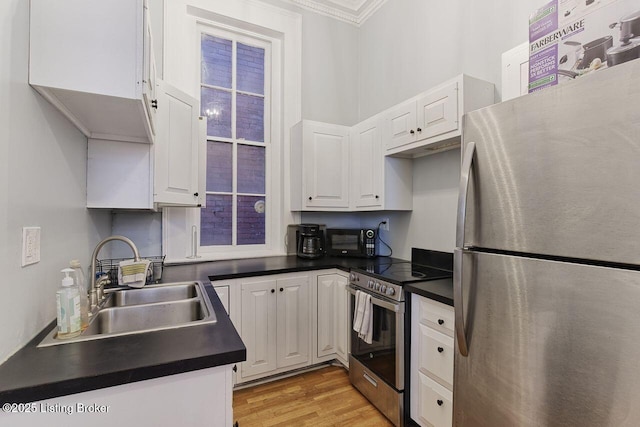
(237, 36)
(283, 29)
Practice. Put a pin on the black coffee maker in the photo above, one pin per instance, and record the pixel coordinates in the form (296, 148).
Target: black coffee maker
(310, 241)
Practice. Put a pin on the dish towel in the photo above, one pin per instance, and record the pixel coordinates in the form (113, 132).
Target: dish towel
(133, 273)
(363, 317)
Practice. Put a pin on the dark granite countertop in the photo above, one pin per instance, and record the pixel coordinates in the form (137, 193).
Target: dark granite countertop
(438, 290)
(42, 373)
(232, 269)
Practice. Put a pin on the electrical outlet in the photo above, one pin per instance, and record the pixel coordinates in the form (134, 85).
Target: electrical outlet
(385, 226)
(30, 245)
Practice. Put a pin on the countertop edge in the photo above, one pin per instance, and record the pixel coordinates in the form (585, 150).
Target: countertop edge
(433, 294)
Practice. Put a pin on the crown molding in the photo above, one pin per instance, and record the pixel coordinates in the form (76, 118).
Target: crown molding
(354, 12)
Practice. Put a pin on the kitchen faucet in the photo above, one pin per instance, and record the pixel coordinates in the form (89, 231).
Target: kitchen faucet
(96, 290)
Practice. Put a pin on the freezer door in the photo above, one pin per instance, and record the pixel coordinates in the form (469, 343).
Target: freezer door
(557, 172)
(550, 344)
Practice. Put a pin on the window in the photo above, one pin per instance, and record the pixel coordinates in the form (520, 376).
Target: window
(277, 33)
(234, 96)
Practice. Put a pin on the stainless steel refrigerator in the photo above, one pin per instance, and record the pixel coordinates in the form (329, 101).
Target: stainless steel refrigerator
(547, 265)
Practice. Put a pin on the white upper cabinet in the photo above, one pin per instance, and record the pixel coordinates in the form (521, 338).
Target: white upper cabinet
(377, 182)
(432, 121)
(179, 149)
(170, 172)
(93, 60)
(319, 166)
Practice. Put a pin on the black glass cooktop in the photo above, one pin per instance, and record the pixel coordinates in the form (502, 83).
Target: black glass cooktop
(402, 273)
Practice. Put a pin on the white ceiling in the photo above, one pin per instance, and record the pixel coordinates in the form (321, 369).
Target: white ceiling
(354, 12)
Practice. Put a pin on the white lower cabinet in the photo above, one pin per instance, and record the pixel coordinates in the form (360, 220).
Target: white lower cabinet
(436, 403)
(275, 324)
(431, 367)
(185, 399)
(332, 322)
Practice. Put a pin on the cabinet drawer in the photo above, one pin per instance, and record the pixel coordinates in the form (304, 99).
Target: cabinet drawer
(436, 354)
(435, 407)
(437, 315)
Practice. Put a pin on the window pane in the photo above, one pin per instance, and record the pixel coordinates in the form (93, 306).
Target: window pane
(216, 107)
(251, 169)
(219, 166)
(216, 61)
(216, 220)
(250, 65)
(250, 118)
(251, 220)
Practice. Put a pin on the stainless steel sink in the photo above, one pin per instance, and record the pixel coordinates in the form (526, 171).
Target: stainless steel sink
(151, 294)
(152, 308)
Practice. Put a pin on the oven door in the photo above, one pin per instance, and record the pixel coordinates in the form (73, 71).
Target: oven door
(385, 355)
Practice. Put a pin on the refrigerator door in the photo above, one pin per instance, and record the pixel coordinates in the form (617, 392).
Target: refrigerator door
(557, 172)
(550, 344)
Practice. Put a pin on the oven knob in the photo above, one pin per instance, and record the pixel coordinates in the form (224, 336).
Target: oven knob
(383, 289)
(352, 277)
(377, 286)
(370, 284)
(391, 291)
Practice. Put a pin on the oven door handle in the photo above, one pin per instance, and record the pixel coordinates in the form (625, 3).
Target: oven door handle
(375, 300)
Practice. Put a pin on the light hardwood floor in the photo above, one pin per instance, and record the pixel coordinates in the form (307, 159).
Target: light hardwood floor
(324, 397)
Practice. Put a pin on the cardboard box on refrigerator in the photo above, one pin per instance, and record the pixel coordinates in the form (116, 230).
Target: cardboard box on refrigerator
(571, 38)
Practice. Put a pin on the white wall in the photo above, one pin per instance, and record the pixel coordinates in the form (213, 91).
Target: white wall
(329, 70)
(409, 46)
(42, 183)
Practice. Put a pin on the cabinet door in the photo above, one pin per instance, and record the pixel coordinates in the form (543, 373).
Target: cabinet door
(327, 321)
(435, 407)
(401, 125)
(293, 321)
(342, 319)
(177, 148)
(326, 165)
(368, 171)
(438, 112)
(149, 71)
(258, 326)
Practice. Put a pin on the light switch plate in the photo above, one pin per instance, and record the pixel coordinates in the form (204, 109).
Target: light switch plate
(30, 245)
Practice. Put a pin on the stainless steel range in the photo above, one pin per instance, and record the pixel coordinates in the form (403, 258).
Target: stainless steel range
(376, 369)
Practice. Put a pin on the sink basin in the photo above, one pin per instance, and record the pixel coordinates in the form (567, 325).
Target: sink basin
(151, 294)
(152, 308)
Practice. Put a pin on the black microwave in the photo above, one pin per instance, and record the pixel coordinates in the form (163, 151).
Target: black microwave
(352, 242)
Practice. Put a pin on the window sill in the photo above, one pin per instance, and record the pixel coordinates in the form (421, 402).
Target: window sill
(207, 257)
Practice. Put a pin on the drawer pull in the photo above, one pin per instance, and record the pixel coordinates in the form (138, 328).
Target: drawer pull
(371, 380)
(440, 322)
(439, 402)
(440, 349)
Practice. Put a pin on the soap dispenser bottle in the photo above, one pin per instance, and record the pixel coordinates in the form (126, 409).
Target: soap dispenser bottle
(68, 307)
(82, 290)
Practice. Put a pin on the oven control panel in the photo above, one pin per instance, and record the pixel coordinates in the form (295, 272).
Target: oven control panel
(376, 286)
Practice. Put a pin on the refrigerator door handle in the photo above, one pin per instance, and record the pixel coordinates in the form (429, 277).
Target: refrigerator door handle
(458, 306)
(465, 172)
